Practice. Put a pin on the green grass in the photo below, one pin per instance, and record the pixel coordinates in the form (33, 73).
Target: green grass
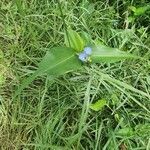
(56, 115)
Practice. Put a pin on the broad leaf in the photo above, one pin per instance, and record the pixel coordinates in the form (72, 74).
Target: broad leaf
(57, 61)
(126, 131)
(107, 54)
(74, 40)
(98, 105)
(140, 10)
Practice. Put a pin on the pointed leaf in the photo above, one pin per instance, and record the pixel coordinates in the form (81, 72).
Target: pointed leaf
(141, 10)
(75, 40)
(107, 54)
(126, 131)
(57, 61)
(98, 105)
(132, 8)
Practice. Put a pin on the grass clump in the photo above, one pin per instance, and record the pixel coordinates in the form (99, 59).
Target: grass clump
(56, 114)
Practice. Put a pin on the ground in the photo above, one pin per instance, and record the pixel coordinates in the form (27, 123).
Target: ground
(55, 114)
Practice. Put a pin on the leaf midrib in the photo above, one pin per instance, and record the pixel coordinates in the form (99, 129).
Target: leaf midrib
(57, 64)
(126, 55)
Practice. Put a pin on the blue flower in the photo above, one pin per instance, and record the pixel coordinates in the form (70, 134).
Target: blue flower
(88, 50)
(83, 56)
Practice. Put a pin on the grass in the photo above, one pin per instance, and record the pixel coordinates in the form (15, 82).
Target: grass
(55, 114)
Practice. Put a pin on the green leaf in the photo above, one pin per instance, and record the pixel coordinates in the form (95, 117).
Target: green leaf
(140, 10)
(132, 8)
(108, 55)
(127, 131)
(57, 61)
(98, 105)
(75, 40)
(131, 19)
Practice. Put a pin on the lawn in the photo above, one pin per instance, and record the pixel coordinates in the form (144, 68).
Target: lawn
(104, 105)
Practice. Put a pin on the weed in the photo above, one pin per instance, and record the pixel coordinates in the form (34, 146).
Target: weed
(56, 114)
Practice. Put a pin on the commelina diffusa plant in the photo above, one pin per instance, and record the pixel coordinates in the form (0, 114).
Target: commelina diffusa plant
(73, 56)
(78, 51)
